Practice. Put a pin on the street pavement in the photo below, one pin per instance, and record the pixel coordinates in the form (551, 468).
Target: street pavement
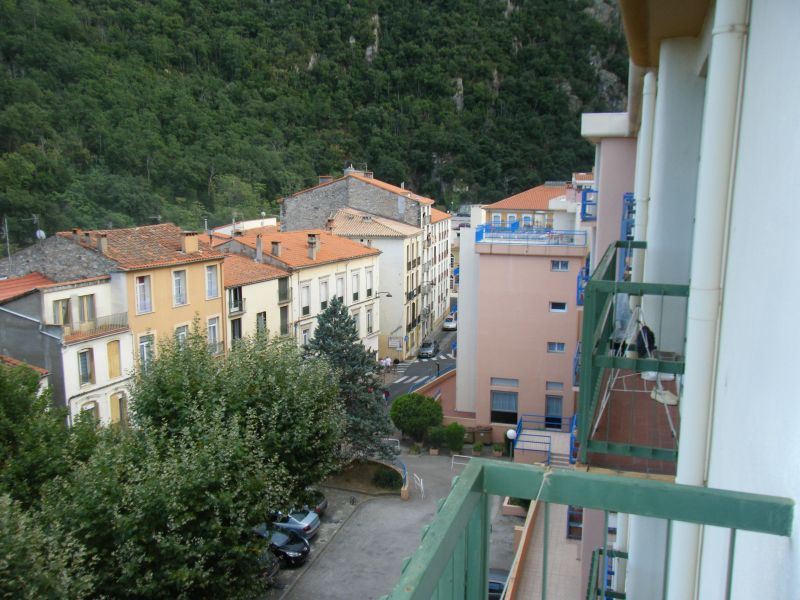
(363, 557)
(408, 374)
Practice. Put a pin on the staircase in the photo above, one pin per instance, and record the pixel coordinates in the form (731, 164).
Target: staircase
(560, 460)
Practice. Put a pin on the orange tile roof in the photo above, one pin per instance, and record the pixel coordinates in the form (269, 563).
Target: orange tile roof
(146, 247)
(294, 246)
(438, 215)
(19, 286)
(241, 270)
(351, 222)
(583, 176)
(372, 181)
(537, 198)
(13, 362)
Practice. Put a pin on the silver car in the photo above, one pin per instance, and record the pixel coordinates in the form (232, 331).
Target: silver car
(302, 521)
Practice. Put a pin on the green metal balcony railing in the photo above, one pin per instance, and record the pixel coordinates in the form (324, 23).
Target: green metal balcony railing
(622, 428)
(452, 560)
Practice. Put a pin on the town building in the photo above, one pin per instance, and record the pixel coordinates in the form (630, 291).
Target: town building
(320, 266)
(412, 314)
(682, 442)
(254, 297)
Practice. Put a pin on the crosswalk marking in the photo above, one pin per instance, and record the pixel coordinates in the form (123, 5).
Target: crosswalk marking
(402, 379)
(440, 357)
(410, 378)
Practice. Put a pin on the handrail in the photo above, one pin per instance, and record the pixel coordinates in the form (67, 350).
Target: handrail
(542, 422)
(535, 236)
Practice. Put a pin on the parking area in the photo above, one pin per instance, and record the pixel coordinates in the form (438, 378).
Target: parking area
(363, 540)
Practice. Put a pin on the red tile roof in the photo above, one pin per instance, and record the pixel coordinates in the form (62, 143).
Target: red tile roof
(146, 247)
(583, 176)
(294, 246)
(241, 270)
(438, 215)
(537, 198)
(372, 181)
(19, 286)
(13, 362)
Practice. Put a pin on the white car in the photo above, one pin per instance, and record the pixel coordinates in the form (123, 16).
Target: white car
(450, 323)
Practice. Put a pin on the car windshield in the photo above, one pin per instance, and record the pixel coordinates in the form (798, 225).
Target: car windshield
(300, 514)
(427, 346)
(279, 538)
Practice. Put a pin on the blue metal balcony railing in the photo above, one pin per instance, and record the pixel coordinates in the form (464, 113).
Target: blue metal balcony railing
(531, 236)
(573, 439)
(580, 285)
(543, 423)
(589, 205)
(576, 366)
(626, 231)
(453, 559)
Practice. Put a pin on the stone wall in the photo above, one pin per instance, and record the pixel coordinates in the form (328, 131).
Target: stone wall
(58, 259)
(312, 208)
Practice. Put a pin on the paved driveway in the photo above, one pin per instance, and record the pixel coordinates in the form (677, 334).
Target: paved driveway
(363, 559)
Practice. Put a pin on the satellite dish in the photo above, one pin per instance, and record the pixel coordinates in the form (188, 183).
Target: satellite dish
(40, 235)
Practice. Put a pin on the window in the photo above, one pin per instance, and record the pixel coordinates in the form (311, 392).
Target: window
(181, 333)
(61, 312)
(86, 308)
(552, 415)
(212, 282)
(235, 300)
(213, 335)
(86, 366)
(554, 385)
(369, 284)
(505, 382)
(496, 218)
(323, 294)
(504, 407)
(179, 288)
(306, 336)
(558, 307)
(261, 322)
(114, 365)
(369, 320)
(284, 320)
(559, 265)
(304, 300)
(144, 299)
(556, 347)
(527, 221)
(236, 329)
(146, 347)
(357, 319)
(511, 218)
(119, 408)
(356, 287)
(340, 288)
(91, 408)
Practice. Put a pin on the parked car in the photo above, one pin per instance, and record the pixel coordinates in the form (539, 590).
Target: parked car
(316, 501)
(497, 583)
(450, 323)
(292, 549)
(302, 521)
(428, 350)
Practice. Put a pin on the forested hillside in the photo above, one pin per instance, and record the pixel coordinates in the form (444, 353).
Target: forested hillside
(121, 112)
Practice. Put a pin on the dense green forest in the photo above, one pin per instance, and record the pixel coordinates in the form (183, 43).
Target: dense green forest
(125, 112)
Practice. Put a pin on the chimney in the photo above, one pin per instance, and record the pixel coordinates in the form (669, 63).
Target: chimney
(313, 246)
(329, 224)
(76, 233)
(87, 239)
(102, 243)
(276, 248)
(259, 248)
(189, 241)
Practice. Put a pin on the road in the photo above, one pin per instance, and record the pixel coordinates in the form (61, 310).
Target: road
(411, 373)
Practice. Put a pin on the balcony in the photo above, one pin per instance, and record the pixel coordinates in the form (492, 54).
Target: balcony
(589, 205)
(98, 326)
(629, 418)
(452, 560)
(236, 307)
(580, 285)
(517, 235)
(576, 366)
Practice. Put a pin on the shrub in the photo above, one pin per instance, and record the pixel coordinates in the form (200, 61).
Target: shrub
(436, 436)
(388, 479)
(477, 447)
(414, 413)
(497, 447)
(454, 437)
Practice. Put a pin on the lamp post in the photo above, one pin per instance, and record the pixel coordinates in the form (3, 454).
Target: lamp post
(511, 434)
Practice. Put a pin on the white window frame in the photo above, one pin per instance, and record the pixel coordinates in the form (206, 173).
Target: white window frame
(356, 314)
(497, 218)
(181, 334)
(559, 266)
(527, 220)
(212, 277)
(355, 279)
(323, 294)
(554, 385)
(370, 322)
(511, 218)
(556, 347)
(146, 341)
(90, 374)
(179, 287)
(369, 282)
(86, 304)
(213, 340)
(144, 294)
(340, 287)
(306, 336)
(558, 307)
(305, 300)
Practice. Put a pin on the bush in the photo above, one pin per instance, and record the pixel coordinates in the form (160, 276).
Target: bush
(436, 436)
(388, 479)
(414, 413)
(454, 437)
(477, 447)
(497, 447)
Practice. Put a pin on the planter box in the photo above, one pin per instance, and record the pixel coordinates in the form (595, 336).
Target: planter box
(512, 510)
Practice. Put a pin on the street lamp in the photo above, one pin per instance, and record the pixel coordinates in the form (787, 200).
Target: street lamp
(511, 434)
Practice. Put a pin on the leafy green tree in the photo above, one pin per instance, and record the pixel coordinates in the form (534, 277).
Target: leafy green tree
(454, 436)
(169, 515)
(39, 562)
(414, 414)
(336, 339)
